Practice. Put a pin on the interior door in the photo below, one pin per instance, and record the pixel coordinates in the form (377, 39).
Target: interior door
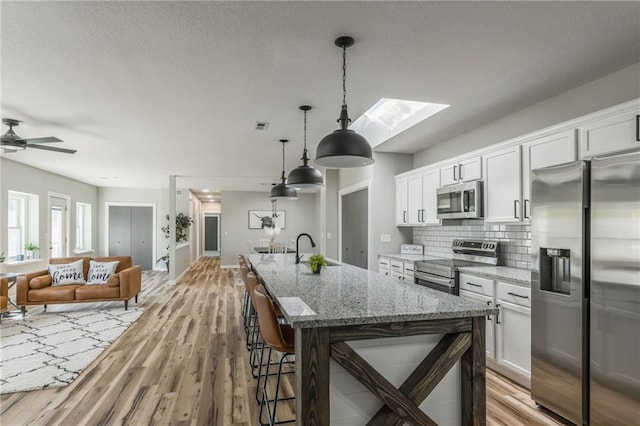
(355, 228)
(58, 227)
(211, 233)
(142, 237)
(131, 234)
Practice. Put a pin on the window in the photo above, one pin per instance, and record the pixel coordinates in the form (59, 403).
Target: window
(83, 226)
(22, 223)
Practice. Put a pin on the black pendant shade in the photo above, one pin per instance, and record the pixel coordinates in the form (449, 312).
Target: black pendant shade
(282, 191)
(305, 176)
(344, 148)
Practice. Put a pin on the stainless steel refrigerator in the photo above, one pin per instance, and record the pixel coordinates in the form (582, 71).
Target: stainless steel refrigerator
(585, 336)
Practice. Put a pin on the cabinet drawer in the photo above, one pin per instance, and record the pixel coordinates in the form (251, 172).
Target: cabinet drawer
(409, 269)
(477, 285)
(383, 262)
(397, 266)
(514, 294)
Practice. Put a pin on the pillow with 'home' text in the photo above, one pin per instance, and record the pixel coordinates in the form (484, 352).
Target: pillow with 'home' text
(67, 273)
(99, 272)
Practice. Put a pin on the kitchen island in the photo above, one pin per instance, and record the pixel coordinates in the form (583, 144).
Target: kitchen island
(334, 312)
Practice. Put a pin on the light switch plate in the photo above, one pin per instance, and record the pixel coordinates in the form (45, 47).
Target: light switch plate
(385, 238)
(328, 235)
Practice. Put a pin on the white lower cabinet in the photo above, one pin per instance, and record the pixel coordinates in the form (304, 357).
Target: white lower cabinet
(383, 265)
(508, 335)
(490, 321)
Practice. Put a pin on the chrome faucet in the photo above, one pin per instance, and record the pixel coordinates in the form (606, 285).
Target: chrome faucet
(298, 257)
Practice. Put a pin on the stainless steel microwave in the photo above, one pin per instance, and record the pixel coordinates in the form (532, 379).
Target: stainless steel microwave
(462, 201)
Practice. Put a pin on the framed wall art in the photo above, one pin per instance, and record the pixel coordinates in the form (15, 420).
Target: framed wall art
(260, 219)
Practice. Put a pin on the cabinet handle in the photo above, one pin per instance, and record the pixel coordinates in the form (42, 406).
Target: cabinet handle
(498, 314)
(460, 172)
(489, 316)
(517, 295)
(419, 216)
(527, 203)
(516, 203)
(404, 216)
(454, 172)
(474, 285)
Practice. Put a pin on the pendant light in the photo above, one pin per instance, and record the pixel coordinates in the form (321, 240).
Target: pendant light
(305, 176)
(344, 147)
(282, 191)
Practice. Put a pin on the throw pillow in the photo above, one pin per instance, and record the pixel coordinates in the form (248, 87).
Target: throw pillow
(99, 272)
(67, 273)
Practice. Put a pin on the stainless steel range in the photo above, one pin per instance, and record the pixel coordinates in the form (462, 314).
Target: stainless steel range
(442, 274)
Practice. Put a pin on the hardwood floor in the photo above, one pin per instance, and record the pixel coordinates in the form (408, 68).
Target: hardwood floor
(184, 362)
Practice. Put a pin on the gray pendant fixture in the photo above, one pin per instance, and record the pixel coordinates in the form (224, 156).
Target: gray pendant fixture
(305, 176)
(344, 148)
(282, 191)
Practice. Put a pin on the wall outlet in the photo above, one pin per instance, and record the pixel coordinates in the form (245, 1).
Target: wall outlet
(328, 235)
(385, 238)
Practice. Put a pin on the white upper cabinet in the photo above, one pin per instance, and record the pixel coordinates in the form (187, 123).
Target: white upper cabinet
(430, 185)
(551, 150)
(414, 202)
(401, 201)
(502, 189)
(466, 170)
(610, 134)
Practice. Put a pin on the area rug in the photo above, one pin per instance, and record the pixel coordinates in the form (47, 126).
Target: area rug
(50, 349)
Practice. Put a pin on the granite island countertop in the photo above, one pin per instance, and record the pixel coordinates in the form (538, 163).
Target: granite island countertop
(515, 275)
(347, 295)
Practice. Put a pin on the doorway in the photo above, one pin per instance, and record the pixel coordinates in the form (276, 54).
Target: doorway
(354, 215)
(131, 233)
(58, 225)
(212, 235)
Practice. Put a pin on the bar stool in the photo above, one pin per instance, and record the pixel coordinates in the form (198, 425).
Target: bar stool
(279, 338)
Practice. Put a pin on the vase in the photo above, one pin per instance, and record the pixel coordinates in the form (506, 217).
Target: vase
(317, 271)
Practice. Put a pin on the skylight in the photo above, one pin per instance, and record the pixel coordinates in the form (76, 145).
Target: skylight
(389, 117)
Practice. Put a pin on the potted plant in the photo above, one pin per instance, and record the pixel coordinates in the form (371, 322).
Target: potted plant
(2, 257)
(31, 249)
(183, 222)
(316, 262)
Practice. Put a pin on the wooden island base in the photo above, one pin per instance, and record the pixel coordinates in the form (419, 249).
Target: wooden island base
(463, 340)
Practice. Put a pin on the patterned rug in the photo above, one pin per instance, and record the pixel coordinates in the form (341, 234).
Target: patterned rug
(49, 349)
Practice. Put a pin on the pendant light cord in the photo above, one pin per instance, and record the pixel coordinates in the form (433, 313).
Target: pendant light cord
(344, 75)
(282, 177)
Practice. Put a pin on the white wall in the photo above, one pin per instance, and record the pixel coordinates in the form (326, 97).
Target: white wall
(301, 216)
(332, 186)
(382, 194)
(613, 89)
(19, 177)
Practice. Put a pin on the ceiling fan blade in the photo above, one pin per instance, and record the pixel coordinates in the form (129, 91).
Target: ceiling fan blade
(50, 148)
(49, 139)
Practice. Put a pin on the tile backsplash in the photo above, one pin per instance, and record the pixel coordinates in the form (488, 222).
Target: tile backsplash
(515, 240)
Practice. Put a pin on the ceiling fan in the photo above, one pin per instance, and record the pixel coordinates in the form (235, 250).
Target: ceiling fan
(12, 142)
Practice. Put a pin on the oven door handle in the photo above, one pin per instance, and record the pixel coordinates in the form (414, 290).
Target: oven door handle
(426, 277)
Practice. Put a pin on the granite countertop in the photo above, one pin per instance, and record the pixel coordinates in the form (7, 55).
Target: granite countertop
(409, 257)
(347, 295)
(515, 275)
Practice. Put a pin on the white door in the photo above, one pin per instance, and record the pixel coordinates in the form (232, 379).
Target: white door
(414, 202)
(514, 338)
(490, 320)
(401, 201)
(551, 150)
(470, 169)
(58, 231)
(430, 185)
(502, 186)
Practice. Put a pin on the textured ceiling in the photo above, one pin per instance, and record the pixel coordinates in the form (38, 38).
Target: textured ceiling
(144, 90)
